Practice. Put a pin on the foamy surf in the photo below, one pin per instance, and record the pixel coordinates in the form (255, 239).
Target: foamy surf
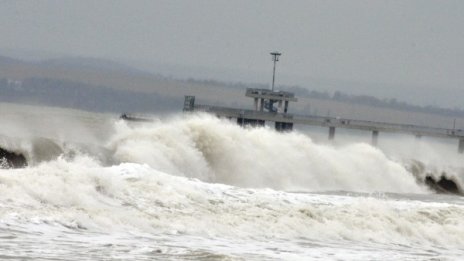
(132, 200)
(216, 150)
(197, 187)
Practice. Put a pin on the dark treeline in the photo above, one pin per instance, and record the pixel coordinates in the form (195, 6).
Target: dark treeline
(342, 97)
(65, 93)
(215, 83)
(376, 102)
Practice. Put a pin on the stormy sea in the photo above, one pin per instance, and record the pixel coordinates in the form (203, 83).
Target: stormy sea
(77, 185)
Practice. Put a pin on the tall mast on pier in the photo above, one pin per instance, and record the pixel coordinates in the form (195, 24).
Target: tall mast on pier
(275, 59)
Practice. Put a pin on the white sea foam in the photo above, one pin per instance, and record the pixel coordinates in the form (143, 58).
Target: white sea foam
(201, 187)
(83, 195)
(215, 150)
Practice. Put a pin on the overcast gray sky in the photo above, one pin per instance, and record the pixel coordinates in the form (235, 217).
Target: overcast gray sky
(411, 50)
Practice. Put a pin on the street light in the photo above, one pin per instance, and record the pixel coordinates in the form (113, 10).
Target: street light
(275, 58)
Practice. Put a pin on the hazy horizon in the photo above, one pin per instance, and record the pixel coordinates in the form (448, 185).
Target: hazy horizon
(102, 158)
(406, 50)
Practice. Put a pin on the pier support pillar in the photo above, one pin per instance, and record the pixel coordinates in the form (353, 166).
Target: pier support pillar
(261, 105)
(256, 104)
(250, 122)
(375, 137)
(461, 146)
(189, 103)
(283, 126)
(286, 107)
(331, 133)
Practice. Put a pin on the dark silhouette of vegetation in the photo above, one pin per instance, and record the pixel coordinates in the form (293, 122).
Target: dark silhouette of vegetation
(341, 97)
(65, 93)
(395, 104)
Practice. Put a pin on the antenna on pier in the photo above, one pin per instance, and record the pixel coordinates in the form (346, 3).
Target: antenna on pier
(275, 58)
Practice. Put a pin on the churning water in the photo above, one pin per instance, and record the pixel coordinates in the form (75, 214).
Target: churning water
(200, 188)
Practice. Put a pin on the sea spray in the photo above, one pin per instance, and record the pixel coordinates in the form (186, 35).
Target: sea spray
(153, 191)
(217, 150)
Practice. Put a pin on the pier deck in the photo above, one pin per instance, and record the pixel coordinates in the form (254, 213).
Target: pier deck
(331, 122)
(264, 110)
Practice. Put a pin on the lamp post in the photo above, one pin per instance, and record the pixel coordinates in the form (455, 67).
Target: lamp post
(275, 58)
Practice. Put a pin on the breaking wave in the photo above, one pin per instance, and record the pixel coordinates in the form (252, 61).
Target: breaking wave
(82, 195)
(218, 151)
(200, 176)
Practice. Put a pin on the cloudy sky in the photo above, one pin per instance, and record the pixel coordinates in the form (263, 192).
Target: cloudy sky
(411, 50)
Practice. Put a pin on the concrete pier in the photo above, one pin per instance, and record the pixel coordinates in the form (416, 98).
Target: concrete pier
(331, 133)
(284, 121)
(461, 145)
(264, 101)
(250, 122)
(375, 137)
(283, 126)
